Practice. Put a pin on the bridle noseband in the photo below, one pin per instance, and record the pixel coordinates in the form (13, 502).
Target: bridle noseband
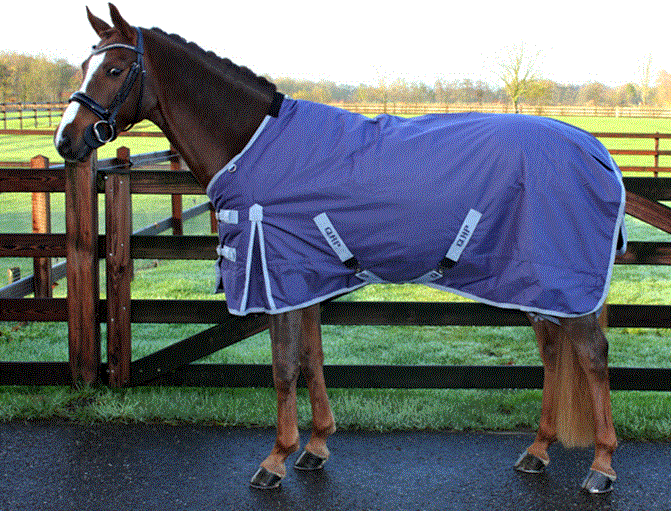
(105, 130)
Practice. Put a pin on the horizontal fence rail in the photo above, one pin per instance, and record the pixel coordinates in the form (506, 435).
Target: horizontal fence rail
(27, 111)
(85, 311)
(336, 313)
(341, 376)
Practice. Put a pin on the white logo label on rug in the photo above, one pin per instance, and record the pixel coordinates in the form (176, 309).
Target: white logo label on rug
(332, 237)
(465, 232)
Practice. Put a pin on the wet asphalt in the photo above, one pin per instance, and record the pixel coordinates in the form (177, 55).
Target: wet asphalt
(61, 466)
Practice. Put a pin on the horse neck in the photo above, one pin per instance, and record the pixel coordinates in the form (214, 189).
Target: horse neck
(207, 110)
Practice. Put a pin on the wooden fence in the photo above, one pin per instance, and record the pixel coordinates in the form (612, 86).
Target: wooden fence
(84, 311)
(33, 111)
(655, 152)
(30, 111)
(398, 108)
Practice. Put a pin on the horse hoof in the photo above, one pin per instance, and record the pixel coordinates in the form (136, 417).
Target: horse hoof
(598, 482)
(530, 464)
(309, 461)
(265, 480)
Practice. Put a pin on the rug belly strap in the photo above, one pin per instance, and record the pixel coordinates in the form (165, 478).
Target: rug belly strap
(341, 249)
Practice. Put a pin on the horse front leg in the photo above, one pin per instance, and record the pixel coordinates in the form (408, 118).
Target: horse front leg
(591, 348)
(535, 458)
(312, 365)
(285, 335)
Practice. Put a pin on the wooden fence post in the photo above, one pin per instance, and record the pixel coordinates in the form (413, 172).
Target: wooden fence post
(41, 224)
(214, 223)
(656, 174)
(118, 229)
(177, 223)
(81, 219)
(13, 274)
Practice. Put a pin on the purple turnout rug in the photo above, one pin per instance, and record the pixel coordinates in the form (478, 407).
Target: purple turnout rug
(515, 211)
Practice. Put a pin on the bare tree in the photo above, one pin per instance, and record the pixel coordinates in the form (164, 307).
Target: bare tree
(518, 73)
(645, 84)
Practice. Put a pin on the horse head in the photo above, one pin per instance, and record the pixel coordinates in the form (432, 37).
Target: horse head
(113, 94)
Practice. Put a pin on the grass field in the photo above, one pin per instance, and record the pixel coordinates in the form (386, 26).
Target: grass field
(637, 415)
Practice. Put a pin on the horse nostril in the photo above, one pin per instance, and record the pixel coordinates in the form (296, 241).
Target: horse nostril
(71, 151)
(64, 145)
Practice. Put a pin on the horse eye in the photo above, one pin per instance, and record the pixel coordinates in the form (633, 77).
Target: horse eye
(115, 71)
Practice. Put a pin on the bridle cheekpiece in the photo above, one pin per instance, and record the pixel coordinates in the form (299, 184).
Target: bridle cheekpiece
(105, 130)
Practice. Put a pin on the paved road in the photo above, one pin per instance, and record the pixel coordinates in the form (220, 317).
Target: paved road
(47, 466)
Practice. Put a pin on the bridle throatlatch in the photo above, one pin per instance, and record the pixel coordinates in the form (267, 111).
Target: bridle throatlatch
(105, 130)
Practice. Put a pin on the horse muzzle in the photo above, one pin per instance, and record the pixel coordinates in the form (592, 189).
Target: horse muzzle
(92, 137)
(72, 152)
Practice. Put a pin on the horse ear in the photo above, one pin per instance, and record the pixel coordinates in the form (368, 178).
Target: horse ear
(98, 25)
(120, 23)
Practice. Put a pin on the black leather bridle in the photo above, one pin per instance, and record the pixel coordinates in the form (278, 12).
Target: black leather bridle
(105, 130)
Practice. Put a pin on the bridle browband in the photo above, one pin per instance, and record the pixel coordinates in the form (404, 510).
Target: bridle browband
(105, 130)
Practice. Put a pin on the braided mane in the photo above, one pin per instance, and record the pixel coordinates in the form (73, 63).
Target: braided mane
(226, 66)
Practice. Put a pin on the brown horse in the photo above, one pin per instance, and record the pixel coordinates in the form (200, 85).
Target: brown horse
(209, 109)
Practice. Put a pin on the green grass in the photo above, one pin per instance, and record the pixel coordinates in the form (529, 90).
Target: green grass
(23, 148)
(637, 414)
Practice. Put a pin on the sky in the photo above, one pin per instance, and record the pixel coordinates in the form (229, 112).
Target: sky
(362, 41)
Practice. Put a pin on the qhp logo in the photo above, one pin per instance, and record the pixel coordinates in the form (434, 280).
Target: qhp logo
(464, 235)
(332, 237)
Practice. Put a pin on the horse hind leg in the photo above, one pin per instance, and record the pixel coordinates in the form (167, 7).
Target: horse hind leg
(591, 356)
(535, 458)
(312, 365)
(576, 397)
(575, 412)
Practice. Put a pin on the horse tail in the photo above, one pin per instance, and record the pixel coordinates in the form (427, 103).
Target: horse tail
(575, 416)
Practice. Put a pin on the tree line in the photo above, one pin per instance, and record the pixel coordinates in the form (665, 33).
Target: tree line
(25, 78)
(466, 91)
